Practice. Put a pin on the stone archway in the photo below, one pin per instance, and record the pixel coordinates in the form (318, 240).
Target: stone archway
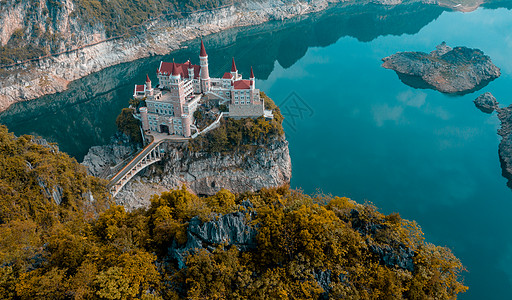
(164, 128)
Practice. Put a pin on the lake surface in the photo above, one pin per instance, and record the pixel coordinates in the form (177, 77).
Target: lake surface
(354, 128)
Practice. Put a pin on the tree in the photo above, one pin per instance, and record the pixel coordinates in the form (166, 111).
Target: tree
(127, 124)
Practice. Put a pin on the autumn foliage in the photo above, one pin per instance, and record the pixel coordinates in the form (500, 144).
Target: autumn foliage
(305, 248)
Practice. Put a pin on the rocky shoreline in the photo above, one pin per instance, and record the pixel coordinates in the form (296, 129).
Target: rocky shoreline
(203, 173)
(455, 71)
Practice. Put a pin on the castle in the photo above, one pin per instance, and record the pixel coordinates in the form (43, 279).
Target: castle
(181, 88)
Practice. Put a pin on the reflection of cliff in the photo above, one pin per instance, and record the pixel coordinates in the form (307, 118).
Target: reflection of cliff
(289, 40)
(84, 115)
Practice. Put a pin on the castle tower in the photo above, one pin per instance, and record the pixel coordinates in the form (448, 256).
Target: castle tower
(144, 116)
(204, 74)
(175, 75)
(234, 71)
(149, 90)
(253, 83)
(190, 70)
(177, 92)
(185, 120)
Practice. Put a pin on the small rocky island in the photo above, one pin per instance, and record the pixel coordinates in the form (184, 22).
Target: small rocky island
(455, 71)
(486, 102)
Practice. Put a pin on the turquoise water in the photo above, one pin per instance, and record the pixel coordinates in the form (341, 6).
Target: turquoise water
(354, 128)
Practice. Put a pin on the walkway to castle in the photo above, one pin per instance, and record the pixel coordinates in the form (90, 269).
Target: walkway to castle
(125, 172)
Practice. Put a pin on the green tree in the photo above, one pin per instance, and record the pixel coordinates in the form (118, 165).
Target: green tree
(127, 124)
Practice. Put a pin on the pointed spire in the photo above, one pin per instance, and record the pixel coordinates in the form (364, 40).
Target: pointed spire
(174, 69)
(147, 78)
(233, 66)
(252, 73)
(202, 53)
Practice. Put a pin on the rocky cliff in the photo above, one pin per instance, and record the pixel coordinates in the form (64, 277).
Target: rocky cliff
(459, 70)
(203, 173)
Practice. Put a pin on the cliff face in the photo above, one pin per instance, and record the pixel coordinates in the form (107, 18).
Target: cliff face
(203, 173)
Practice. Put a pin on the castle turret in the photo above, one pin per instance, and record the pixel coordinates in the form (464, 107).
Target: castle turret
(144, 117)
(149, 89)
(148, 82)
(204, 73)
(253, 83)
(190, 70)
(234, 71)
(175, 74)
(185, 120)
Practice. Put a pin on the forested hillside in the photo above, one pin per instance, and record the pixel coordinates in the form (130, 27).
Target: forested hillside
(276, 243)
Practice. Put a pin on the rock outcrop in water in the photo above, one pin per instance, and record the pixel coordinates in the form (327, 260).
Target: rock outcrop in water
(486, 103)
(458, 70)
(505, 147)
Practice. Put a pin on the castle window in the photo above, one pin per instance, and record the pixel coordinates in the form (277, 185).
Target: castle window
(236, 102)
(243, 102)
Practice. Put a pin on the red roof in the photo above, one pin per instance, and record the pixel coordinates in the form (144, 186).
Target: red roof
(175, 69)
(252, 73)
(203, 50)
(233, 66)
(139, 88)
(147, 78)
(227, 76)
(182, 69)
(242, 84)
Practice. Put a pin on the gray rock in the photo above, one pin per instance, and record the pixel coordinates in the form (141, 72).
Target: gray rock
(54, 193)
(441, 50)
(397, 257)
(486, 103)
(459, 70)
(229, 229)
(104, 161)
(323, 278)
